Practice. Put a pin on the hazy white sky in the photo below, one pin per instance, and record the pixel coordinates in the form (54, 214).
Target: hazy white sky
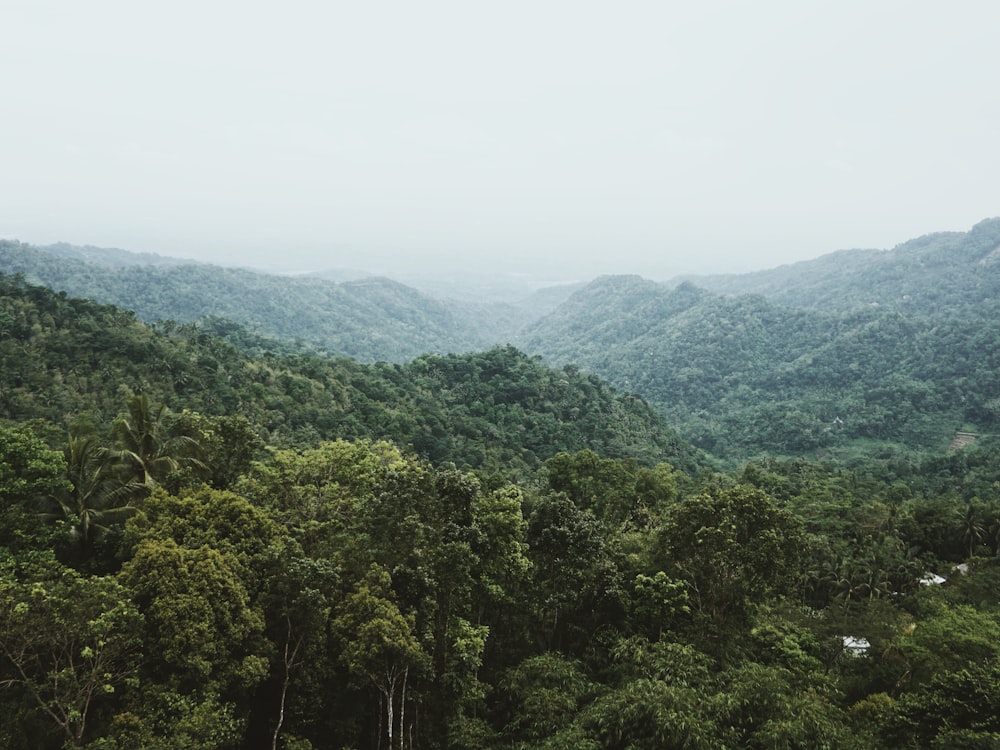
(570, 137)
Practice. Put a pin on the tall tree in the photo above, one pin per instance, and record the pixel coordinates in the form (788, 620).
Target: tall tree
(99, 496)
(378, 646)
(30, 473)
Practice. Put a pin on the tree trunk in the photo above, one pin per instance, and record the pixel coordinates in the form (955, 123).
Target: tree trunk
(402, 707)
(289, 662)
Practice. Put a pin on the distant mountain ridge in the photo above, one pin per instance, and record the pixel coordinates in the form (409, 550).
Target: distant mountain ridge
(112, 256)
(368, 319)
(943, 273)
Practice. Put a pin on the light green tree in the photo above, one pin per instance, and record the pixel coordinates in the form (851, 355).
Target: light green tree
(70, 643)
(378, 646)
(30, 474)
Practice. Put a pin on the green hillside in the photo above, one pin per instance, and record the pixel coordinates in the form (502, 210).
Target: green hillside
(234, 545)
(64, 358)
(742, 376)
(858, 351)
(368, 319)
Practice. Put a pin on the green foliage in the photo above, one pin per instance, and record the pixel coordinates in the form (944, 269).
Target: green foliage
(29, 470)
(508, 408)
(576, 581)
(957, 709)
(498, 411)
(318, 493)
(546, 692)
(501, 547)
(30, 474)
(101, 495)
(202, 632)
(70, 644)
(618, 492)
(944, 274)
(148, 445)
(226, 447)
(479, 551)
(378, 645)
(949, 639)
(371, 320)
(744, 376)
(206, 518)
(732, 546)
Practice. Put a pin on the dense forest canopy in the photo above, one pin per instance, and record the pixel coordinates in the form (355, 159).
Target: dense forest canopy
(353, 594)
(214, 539)
(944, 274)
(67, 359)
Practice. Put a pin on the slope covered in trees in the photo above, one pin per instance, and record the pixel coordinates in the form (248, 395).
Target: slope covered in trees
(366, 319)
(350, 594)
(856, 349)
(742, 376)
(66, 358)
(581, 580)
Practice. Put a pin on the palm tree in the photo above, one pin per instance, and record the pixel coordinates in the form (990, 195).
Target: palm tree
(99, 496)
(973, 529)
(147, 446)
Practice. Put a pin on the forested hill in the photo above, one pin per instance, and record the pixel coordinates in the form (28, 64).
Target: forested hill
(166, 583)
(949, 273)
(741, 376)
(63, 358)
(368, 319)
(856, 351)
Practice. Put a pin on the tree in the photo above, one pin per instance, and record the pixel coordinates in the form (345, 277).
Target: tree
(148, 445)
(297, 606)
(99, 495)
(957, 709)
(215, 519)
(732, 546)
(605, 487)
(30, 473)
(973, 525)
(545, 693)
(227, 446)
(70, 641)
(378, 645)
(662, 697)
(656, 602)
(767, 706)
(575, 582)
(500, 545)
(948, 639)
(202, 632)
(319, 493)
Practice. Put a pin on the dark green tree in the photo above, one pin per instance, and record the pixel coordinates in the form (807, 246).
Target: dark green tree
(148, 444)
(732, 546)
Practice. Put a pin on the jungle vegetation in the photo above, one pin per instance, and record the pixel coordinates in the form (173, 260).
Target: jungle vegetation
(214, 539)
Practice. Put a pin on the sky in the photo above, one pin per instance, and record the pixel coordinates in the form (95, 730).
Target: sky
(558, 138)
